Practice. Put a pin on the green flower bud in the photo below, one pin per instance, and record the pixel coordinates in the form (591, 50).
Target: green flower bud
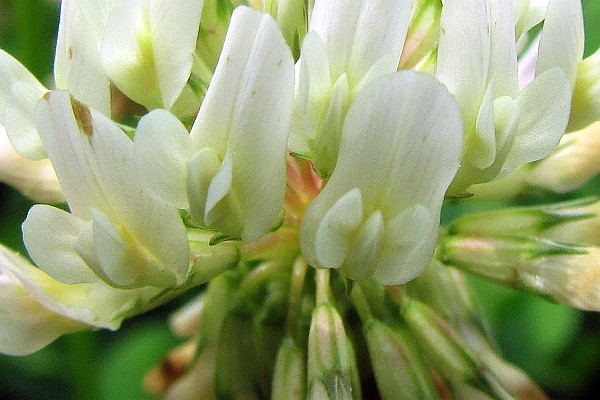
(446, 350)
(564, 273)
(524, 220)
(331, 362)
(399, 371)
(289, 377)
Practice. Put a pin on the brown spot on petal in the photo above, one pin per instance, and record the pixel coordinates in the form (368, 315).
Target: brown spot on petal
(70, 53)
(83, 117)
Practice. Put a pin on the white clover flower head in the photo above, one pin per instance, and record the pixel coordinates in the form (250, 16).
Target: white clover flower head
(295, 156)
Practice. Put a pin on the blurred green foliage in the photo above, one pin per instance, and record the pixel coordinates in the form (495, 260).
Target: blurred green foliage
(557, 345)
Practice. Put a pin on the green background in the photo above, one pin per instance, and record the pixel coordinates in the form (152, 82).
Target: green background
(557, 345)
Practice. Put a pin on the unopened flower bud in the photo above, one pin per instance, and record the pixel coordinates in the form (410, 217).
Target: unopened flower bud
(331, 362)
(289, 377)
(399, 370)
(564, 273)
(533, 220)
(186, 321)
(442, 344)
(573, 163)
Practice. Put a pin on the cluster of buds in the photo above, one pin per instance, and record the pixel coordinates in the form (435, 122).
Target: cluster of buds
(289, 160)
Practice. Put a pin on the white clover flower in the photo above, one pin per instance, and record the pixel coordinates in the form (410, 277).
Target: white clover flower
(116, 229)
(230, 169)
(391, 175)
(504, 126)
(348, 45)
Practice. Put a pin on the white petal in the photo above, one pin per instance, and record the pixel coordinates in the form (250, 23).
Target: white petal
(138, 51)
(69, 149)
(545, 105)
(529, 16)
(405, 255)
(126, 264)
(480, 148)
(336, 230)
(36, 179)
(72, 306)
(561, 43)
(163, 147)
(503, 59)
(96, 166)
(464, 54)
(173, 22)
(200, 172)
(247, 110)
(400, 149)
(357, 33)
(361, 260)
(26, 326)
(77, 64)
(50, 235)
(19, 93)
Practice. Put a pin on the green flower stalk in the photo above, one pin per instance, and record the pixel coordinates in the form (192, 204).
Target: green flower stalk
(287, 163)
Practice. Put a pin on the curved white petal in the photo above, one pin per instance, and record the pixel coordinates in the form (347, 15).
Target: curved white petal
(561, 43)
(66, 308)
(174, 28)
(503, 56)
(336, 230)
(77, 65)
(51, 235)
(246, 113)
(464, 54)
(545, 105)
(163, 147)
(148, 48)
(19, 93)
(358, 33)
(96, 166)
(399, 150)
(26, 325)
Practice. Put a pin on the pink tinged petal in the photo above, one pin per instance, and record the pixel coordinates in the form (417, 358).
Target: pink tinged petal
(96, 165)
(358, 33)
(77, 65)
(526, 66)
(561, 43)
(19, 93)
(464, 69)
(246, 116)
(162, 148)
(400, 149)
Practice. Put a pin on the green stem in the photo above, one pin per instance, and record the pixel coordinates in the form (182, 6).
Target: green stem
(296, 286)
(323, 289)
